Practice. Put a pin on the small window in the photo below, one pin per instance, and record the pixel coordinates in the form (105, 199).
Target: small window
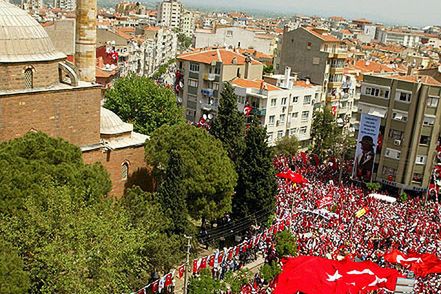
(283, 101)
(421, 159)
(396, 134)
(295, 99)
(279, 134)
(293, 131)
(193, 83)
(400, 116)
(28, 78)
(194, 67)
(295, 115)
(282, 118)
(271, 120)
(389, 173)
(392, 153)
(125, 171)
(417, 178)
(274, 102)
(305, 115)
(429, 120)
(307, 100)
(303, 130)
(424, 140)
(432, 101)
(403, 97)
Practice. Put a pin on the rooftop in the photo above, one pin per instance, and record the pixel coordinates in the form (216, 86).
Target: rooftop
(427, 80)
(324, 36)
(208, 56)
(254, 84)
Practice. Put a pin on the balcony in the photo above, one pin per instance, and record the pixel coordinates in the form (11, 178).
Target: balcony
(207, 92)
(210, 106)
(210, 77)
(338, 54)
(336, 70)
(193, 75)
(259, 112)
(334, 84)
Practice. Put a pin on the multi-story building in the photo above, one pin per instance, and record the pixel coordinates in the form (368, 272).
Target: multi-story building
(410, 127)
(68, 5)
(203, 73)
(402, 37)
(170, 13)
(187, 23)
(234, 37)
(283, 104)
(318, 56)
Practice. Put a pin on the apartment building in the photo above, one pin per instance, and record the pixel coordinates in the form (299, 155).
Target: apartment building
(170, 13)
(187, 23)
(410, 115)
(405, 38)
(202, 74)
(68, 5)
(318, 56)
(283, 104)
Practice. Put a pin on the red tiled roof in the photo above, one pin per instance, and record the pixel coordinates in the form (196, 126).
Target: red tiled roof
(303, 84)
(215, 55)
(323, 36)
(256, 54)
(255, 84)
(372, 67)
(428, 80)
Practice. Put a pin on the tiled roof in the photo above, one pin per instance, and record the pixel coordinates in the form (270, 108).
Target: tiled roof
(254, 84)
(215, 55)
(372, 67)
(427, 80)
(323, 36)
(303, 84)
(255, 53)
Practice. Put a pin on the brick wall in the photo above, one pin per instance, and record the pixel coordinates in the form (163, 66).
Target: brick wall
(72, 114)
(113, 160)
(44, 74)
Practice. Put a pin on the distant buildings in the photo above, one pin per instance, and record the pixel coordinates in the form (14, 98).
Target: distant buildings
(410, 112)
(68, 5)
(170, 13)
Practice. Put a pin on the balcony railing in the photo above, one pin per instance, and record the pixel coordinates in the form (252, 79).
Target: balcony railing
(259, 112)
(210, 106)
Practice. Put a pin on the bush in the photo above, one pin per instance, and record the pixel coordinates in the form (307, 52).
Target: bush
(269, 271)
(286, 244)
(373, 186)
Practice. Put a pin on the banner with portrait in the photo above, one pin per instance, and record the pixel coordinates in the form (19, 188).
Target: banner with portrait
(366, 147)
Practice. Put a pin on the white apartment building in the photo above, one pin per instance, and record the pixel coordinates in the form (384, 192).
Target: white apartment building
(283, 104)
(170, 13)
(408, 39)
(187, 23)
(68, 5)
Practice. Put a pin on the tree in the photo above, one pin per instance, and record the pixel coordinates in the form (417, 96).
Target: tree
(208, 174)
(270, 270)
(13, 278)
(268, 69)
(286, 146)
(324, 132)
(204, 284)
(256, 185)
(285, 244)
(184, 41)
(229, 124)
(172, 194)
(139, 100)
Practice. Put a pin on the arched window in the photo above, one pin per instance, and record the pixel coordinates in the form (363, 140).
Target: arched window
(28, 78)
(125, 170)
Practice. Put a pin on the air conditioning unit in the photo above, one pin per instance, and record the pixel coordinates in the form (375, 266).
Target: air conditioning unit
(397, 142)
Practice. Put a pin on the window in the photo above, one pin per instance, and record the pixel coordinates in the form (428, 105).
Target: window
(424, 140)
(270, 136)
(389, 172)
(403, 96)
(396, 134)
(283, 101)
(194, 67)
(282, 118)
(279, 134)
(216, 86)
(271, 120)
(316, 60)
(305, 115)
(229, 34)
(432, 101)
(125, 170)
(193, 83)
(400, 116)
(429, 120)
(295, 115)
(392, 153)
(295, 99)
(303, 130)
(307, 100)
(274, 102)
(376, 92)
(417, 178)
(28, 78)
(217, 70)
(421, 159)
(293, 131)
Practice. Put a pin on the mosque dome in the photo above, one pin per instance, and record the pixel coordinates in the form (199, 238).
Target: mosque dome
(111, 124)
(22, 38)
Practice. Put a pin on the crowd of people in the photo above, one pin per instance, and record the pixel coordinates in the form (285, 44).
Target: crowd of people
(409, 226)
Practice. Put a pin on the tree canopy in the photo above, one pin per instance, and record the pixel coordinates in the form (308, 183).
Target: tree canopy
(209, 177)
(286, 146)
(140, 101)
(324, 132)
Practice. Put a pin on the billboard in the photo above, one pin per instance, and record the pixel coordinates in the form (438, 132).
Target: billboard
(366, 147)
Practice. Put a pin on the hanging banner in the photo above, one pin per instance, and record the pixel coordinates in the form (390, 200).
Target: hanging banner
(366, 147)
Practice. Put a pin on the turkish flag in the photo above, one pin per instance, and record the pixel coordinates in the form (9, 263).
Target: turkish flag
(155, 286)
(422, 264)
(211, 260)
(237, 250)
(141, 291)
(230, 253)
(168, 280)
(310, 274)
(220, 257)
(203, 263)
(181, 271)
(304, 157)
(195, 266)
(247, 110)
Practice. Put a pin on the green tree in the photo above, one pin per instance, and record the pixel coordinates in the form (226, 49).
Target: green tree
(286, 244)
(268, 69)
(13, 278)
(286, 146)
(172, 194)
(184, 41)
(256, 184)
(269, 271)
(139, 100)
(204, 284)
(208, 174)
(229, 124)
(324, 131)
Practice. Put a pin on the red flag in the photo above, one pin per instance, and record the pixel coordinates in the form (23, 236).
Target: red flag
(203, 263)
(220, 258)
(304, 157)
(155, 286)
(310, 274)
(247, 110)
(230, 253)
(420, 264)
(141, 291)
(181, 271)
(237, 250)
(168, 280)
(211, 260)
(195, 266)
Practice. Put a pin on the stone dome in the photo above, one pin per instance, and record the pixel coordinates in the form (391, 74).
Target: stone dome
(22, 38)
(111, 124)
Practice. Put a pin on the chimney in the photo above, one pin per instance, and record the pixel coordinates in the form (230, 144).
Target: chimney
(85, 40)
(248, 61)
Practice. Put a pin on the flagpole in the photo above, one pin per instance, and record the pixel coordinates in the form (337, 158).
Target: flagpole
(187, 264)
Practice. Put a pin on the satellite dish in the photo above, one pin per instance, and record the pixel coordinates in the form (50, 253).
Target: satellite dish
(204, 116)
(210, 116)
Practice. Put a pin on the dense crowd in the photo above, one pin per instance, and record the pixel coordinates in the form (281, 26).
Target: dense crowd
(409, 226)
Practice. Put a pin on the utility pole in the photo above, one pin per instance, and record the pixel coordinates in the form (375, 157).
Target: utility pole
(187, 264)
